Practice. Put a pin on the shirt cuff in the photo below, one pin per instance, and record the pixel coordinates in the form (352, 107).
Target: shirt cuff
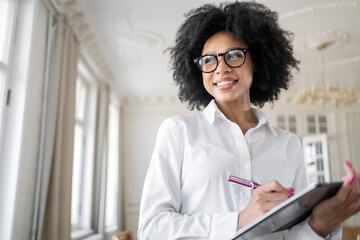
(311, 234)
(223, 225)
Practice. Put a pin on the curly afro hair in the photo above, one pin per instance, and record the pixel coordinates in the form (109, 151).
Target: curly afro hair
(258, 26)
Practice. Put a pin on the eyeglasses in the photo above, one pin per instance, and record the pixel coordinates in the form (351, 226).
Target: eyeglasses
(234, 58)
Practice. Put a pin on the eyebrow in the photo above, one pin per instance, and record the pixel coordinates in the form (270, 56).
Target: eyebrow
(214, 53)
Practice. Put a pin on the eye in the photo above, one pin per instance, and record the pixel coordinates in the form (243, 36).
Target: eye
(234, 54)
(208, 60)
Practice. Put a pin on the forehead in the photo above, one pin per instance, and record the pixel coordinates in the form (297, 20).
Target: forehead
(221, 42)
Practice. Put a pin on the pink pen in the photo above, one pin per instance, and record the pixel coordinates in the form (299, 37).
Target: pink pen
(244, 182)
(253, 185)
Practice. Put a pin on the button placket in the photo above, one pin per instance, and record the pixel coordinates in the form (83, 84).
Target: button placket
(242, 154)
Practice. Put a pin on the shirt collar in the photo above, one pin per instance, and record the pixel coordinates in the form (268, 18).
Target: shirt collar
(212, 111)
(263, 120)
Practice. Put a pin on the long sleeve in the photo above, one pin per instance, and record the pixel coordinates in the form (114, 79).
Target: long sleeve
(304, 231)
(160, 216)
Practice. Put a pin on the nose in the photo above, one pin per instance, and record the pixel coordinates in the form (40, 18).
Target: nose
(222, 66)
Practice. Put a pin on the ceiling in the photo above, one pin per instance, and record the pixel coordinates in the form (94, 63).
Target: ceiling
(133, 34)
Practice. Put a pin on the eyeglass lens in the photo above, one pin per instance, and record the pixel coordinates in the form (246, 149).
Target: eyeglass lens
(233, 58)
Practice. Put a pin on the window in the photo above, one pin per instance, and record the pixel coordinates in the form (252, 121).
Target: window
(78, 162)
(7, 9)
(111, 209)
(84, 145)
(316, 158)
(2, 90)
(292, 124)
(311, 124)
(281, 122)
(317, 124)
(323, 124)
(95, 188)
(287, 122)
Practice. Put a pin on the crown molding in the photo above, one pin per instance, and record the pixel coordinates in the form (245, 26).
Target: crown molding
(79, 23)
(310, 42)
(338, 39)
(320, 8)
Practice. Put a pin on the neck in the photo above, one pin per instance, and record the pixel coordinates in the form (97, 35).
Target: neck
(241, 114)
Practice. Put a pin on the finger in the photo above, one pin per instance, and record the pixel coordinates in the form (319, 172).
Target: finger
(270, 205)
(349, 168)
(290, 191)
(273, 186)
(354, 184)
(343, 177)
(350, 173)
(343, 193)
(275, 197)
(349, 192)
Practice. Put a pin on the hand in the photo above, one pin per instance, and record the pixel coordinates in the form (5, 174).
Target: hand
(344, 204)
(263, 199)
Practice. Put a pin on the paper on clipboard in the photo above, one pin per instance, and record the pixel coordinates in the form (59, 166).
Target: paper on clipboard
(290, 212)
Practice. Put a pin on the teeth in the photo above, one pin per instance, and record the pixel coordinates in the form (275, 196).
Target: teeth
(224, 83)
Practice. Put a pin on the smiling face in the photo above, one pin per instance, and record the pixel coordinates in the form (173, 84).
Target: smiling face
(228, 85)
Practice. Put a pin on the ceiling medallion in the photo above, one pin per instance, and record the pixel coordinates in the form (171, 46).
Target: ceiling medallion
(127, 37)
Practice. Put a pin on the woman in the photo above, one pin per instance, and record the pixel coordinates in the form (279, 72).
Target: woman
(225, 59)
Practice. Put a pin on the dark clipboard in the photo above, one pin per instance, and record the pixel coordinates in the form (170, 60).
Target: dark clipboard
(290, 212)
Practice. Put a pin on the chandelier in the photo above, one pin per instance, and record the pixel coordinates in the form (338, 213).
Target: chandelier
(327, 93)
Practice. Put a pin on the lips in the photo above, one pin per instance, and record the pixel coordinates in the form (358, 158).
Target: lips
(224, 82)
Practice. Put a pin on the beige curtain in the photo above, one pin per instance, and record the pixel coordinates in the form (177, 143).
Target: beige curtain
(101, 155)
(56, 220)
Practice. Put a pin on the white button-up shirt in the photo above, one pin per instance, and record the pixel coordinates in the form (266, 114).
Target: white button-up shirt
(186, 193)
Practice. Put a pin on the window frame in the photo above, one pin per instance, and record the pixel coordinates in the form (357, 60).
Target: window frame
(89, 145)
(317, 124)
(113, 103)
(324, 156)
(83, 125)
(99, 172)
(286, 124)
(5, 67)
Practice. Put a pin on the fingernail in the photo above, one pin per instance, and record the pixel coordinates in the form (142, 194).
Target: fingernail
(291, 189)
(348, 164)
(342, 175)
(290, 192)
(351, 179)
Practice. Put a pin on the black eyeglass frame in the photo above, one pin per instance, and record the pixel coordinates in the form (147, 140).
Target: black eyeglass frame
(244, 50)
